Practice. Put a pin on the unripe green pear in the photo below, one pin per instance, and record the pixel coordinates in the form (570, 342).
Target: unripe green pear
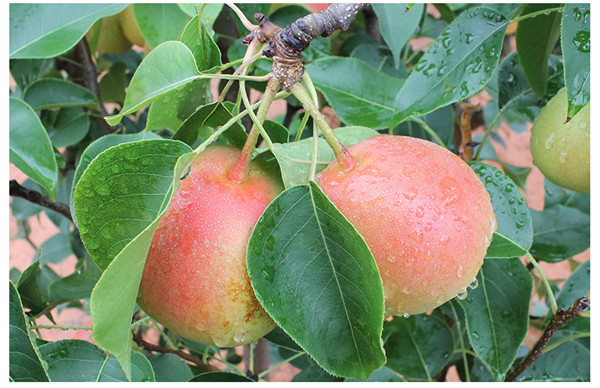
(561, 150)
(130, 28)
(195, 280)
(422, 211)
(106, 35)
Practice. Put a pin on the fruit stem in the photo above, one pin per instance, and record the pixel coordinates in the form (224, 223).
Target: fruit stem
(551, 298)
(239, 170)
(247, 23)
(343, 156)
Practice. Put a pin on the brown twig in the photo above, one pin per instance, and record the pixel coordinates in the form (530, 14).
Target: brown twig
(139, 340)
(89, 77)
(465, 130)
(558, 319)
(16, 190)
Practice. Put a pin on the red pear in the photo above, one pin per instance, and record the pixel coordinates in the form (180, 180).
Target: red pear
(422, 211)
(195, 280)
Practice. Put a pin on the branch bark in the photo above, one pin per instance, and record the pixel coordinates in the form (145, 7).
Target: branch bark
(139, 340)
(558, 319)
(285, 45)
(16, 190)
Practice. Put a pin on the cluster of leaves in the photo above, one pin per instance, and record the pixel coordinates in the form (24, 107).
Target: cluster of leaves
(119, 181)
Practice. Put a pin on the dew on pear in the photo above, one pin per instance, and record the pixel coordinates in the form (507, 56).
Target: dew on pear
(474, 284)
(462, 294)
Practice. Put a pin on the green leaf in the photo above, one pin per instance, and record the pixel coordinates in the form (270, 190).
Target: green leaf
(159, 22)
(575, 287)
(457, 65)
(81, 361)
(316, 277)
(220, 377)
(418, 347)
(77, 285)
(517, 174)
(380, 59)
(515, 232)
(497, 313)
(55, 249)
(149, 174)
(203, 122)
(575, 41)
(366, 98)
(33, 285)
(27, 71)
(383, 375)
(67, 126)
(168, 67)
(280, 338)
(536, 38)
(30, 148)
(205, 50)
(170, 367)
(24, 360)
(171, 109)
(276, 131)
(98, 147)
(556, 195)
(559, 233)
(209, 14)
(568, 362)
(121, 192)
(295, 158)
(514, 92)
(313, 374)
(52, 93)
(113, 84)
(63, 26)
(397, 25)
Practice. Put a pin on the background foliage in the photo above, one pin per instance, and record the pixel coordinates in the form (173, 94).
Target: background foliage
(159, 106)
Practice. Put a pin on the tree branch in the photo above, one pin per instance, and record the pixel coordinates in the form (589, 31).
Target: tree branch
(160, 349)
(558, 319)
(285, 45)
(16, 190)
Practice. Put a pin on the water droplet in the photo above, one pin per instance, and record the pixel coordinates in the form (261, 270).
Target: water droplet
(474, 284)
(460, 271)
(509, 188)
(240, 337)
(562, 157)
(462, 294)
(406, 315)
(420, 212)
(549, 141)
(391, 259)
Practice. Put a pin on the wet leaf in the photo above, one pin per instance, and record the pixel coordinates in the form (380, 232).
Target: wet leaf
(515, 232)
(497, 313)
(81, 361)
(568, 362)
(138, 197)
(559, 233)
(457, 65)
(575, 40)
(316, 277)
(418, 347)
(121, 192)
